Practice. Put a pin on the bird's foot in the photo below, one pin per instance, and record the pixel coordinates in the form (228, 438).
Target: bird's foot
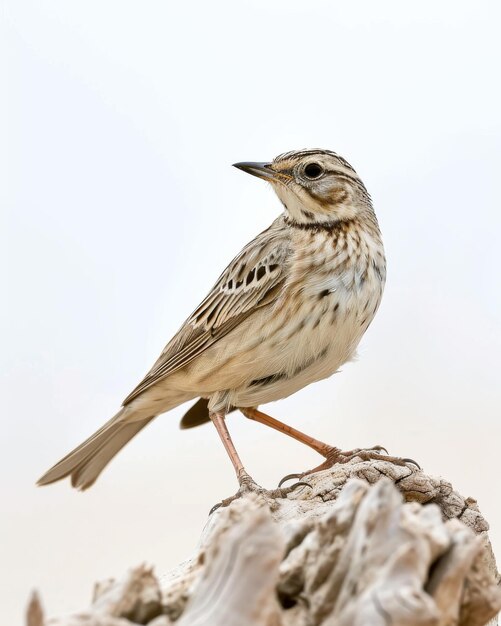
(248, 485)
(334, 456)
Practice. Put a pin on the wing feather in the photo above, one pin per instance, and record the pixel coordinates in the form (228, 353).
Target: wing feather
(253, 279)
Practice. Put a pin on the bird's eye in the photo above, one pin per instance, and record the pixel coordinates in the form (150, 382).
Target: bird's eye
(313, 171)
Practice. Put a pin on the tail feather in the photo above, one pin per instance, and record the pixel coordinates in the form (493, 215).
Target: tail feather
(86, 462)
(198, 414)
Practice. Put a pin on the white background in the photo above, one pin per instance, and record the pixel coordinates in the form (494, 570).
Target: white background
(120, 209)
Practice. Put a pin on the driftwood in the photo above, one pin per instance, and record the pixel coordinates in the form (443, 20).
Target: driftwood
(368, 543)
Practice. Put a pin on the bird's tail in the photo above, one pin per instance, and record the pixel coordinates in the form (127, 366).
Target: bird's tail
(198, 414)
(87, 461)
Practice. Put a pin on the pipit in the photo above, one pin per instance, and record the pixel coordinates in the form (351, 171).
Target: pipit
(289, 310)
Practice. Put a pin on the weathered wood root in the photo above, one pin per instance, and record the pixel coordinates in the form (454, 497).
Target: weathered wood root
(357, 548)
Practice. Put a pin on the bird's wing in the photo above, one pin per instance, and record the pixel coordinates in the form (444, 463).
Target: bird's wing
(253, 279)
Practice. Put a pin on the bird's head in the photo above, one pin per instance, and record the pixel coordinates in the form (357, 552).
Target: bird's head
(315, 186)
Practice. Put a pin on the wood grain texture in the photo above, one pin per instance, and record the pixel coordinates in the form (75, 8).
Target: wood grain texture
(370, 543)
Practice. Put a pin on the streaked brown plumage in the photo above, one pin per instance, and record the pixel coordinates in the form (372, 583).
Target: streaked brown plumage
(289, 310)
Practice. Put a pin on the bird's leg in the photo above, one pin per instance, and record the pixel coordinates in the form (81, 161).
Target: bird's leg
(218, 419)
(247, 484)
(331, 454)
(319, 446)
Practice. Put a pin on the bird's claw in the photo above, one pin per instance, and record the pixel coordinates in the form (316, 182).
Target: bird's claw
(406, 460)
(247, 485)
(215, 508)
(225, 502)
(335, 456)
(300, 483)
(374, 454)
(290, 477)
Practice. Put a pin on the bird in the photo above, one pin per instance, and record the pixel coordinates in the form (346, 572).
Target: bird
(289, 310)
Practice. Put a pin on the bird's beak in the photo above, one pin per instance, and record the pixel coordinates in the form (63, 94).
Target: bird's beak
(261, 170)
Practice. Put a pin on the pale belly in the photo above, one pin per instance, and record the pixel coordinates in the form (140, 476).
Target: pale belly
(278, 355)
(313, 353)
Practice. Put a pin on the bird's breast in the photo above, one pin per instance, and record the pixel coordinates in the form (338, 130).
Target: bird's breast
(331, 298)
